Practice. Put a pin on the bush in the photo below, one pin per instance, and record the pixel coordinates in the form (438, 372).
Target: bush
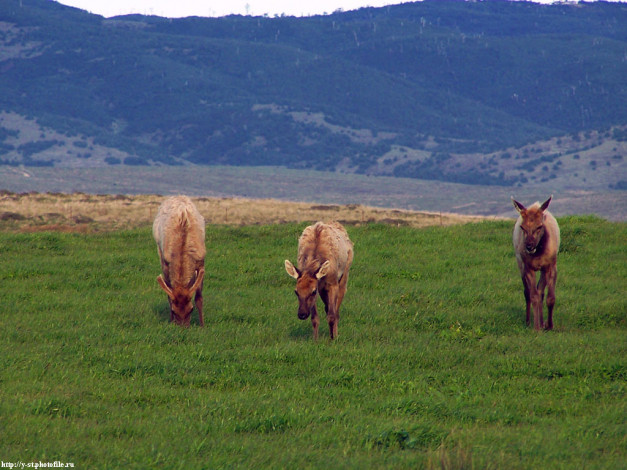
(134, 161)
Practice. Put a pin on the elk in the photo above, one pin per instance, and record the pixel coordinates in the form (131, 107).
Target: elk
(536, 243)
(325, 255)
(179, 231)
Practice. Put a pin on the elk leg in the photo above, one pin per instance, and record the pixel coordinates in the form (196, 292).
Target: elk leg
(541, 290)
(340, 297)
(527, 300)
(550, 298)
(534, 297)
(542, 285)
(198, 301)
(324, 295)
(342, 290)
(331, 303)
(315, 321)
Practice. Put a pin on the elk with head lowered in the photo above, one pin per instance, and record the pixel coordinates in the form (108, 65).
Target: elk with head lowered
(325, 254)
(179, 231)
(536, 243)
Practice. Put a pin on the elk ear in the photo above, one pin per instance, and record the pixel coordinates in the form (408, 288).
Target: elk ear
(199, 278)
(518, 206)
(291, 270)
(324, 269)
(546, 203)
(165, 287)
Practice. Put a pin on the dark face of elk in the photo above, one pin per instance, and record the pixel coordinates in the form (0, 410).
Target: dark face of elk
(306, 291)
(532, 224)
(181, 308)
(180, 298)
(533, 230)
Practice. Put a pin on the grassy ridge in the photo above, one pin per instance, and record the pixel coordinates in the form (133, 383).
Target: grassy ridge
(433, 366)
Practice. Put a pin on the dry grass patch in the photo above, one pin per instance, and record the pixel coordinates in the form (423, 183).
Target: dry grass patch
(90, 213)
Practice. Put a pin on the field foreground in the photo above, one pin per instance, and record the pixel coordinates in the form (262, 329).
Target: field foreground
(433, 368)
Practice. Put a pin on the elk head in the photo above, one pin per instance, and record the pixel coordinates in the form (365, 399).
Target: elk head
(532, 224)
(180, 298)
(306, 288)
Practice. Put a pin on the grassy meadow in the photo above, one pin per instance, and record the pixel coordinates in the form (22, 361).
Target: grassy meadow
(433, 368)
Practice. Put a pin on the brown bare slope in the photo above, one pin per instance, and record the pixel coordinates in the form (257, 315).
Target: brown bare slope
(79, 212)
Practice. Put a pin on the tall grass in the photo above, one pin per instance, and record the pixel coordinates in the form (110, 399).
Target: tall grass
(433, 368)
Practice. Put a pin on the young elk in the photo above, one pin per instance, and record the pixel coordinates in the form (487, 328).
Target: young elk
(536, 243)
(325, 254)
(179, 231)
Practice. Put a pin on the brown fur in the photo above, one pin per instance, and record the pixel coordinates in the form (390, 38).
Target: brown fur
(536, 243)
(179, 231)
(325, 255)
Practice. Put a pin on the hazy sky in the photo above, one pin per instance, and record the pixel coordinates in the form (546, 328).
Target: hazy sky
(180, 8)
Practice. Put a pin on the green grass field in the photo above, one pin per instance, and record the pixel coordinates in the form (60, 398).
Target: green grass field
(433, 368)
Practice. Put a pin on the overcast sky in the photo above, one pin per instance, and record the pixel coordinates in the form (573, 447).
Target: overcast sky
(181, 8)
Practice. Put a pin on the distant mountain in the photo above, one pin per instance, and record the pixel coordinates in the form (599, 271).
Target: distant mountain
(475, 92)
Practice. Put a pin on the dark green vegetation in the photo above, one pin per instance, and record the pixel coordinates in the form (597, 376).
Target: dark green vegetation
(433, 364)
(419, 89)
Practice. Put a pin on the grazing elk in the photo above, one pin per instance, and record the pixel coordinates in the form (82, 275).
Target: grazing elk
(325, 254)
(179, 231)
(536, 243)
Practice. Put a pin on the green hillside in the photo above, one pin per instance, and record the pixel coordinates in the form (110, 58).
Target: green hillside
(433, 368)
(339, 92)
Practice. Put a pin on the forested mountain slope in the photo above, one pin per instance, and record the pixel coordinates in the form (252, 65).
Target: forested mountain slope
(487, 92)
